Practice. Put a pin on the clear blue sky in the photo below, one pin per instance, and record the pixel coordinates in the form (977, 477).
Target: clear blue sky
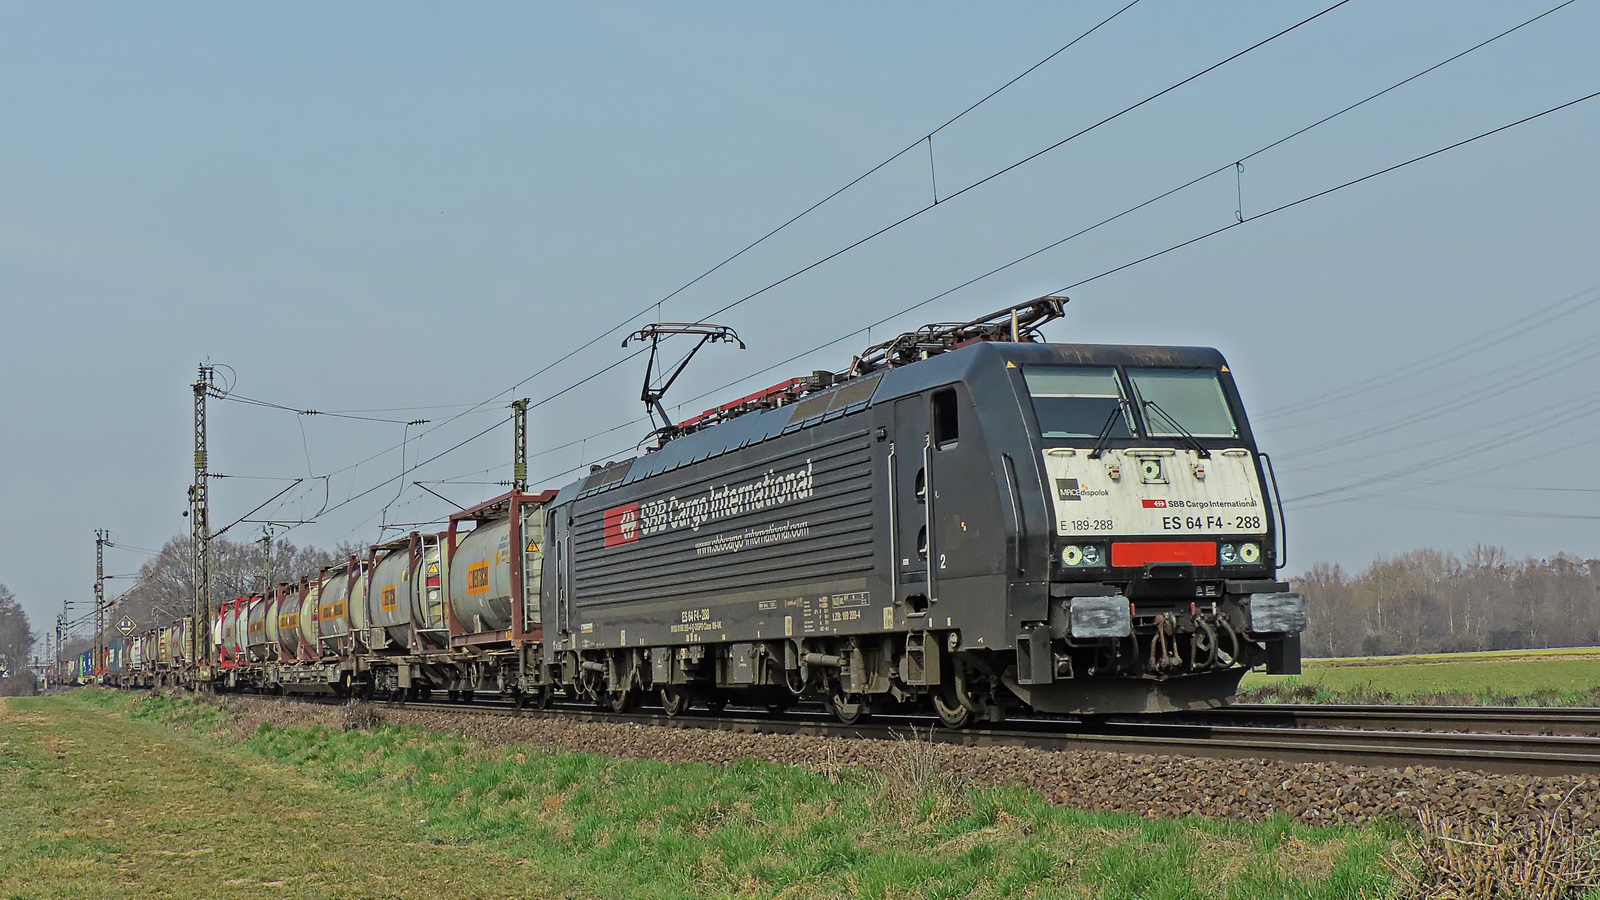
(375, 205)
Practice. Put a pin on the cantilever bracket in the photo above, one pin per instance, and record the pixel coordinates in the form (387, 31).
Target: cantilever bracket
(652, 393)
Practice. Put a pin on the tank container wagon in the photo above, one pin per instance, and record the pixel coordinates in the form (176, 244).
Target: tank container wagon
(312, 633)
(454, 612)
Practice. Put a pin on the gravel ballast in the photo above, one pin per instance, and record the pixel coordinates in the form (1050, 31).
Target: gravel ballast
(1146, 785)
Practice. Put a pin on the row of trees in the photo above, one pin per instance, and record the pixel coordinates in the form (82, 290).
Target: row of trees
(164, 589)
(1426, 601)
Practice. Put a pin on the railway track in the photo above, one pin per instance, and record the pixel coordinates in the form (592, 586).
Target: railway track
(1575, 721)
(1294, 734)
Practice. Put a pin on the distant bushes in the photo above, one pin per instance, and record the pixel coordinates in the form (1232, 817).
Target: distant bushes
(1426, 601)
(19, 686)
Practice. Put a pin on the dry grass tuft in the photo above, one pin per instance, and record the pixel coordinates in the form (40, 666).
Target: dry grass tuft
(358, 716)
(1462, 858)
(921, 766)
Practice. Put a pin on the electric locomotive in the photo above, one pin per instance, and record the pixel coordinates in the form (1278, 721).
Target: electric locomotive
(968, 518)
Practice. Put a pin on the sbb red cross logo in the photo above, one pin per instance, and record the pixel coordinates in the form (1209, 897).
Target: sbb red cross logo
(622, 525)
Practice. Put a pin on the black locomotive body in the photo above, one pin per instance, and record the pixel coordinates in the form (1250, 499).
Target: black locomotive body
(960, 530)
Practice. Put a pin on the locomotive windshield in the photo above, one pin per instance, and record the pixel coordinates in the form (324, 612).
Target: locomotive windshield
(1078, 401)
(1183, 400)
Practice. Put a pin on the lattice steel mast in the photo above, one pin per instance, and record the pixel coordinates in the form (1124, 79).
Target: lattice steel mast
(519, 448)
(101, 538)
(200, 526)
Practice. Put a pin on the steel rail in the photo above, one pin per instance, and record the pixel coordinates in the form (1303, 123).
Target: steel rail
(1507, 754)
(1579, 721)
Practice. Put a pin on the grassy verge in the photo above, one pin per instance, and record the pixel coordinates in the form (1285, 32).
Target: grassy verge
(94, 804)
(1520, 678)
(647, 829)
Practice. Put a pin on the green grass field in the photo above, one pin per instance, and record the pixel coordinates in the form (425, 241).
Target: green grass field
(98, 799)
(1559, 677)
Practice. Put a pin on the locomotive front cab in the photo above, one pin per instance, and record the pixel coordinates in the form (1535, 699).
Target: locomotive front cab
(1163, 547)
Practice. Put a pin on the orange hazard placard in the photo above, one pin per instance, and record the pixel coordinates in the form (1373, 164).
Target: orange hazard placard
(478, 578)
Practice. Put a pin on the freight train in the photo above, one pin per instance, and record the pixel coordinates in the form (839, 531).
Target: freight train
(968, 520)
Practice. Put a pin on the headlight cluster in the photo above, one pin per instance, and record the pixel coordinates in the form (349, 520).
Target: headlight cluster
(1239, 554)
(1076, 556)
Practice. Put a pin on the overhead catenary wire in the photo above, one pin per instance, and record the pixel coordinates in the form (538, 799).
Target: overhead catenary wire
(1546, 356)
(841, 338)
(1556, 363)
(1497, 335)
(1495, 428)
(891, 158)
(859, 242)
(1488, 511)
(656, 304)
(326, 509)
(1281, 208)
(1320, 194)
(1138, 261)
(1573, 412)
(1132, 209)
(1122, 267)
(1022, 162)
(388, 481)
(222, 395)
(1292, 204)
(884, 230)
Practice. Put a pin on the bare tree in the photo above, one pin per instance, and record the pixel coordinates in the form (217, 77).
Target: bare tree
(164, 590)
(1427, 601)
(1334, 626)
(16, 645)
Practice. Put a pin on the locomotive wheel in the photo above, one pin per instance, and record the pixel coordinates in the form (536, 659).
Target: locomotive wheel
(851, 709)
(542, 697)
(952, 712)
(674, 701)
(619, 701)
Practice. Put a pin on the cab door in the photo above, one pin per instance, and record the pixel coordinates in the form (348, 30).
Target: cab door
(912, 499)
(559, 558)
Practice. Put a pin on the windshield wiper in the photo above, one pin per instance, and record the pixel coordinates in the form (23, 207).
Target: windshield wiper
(1189, 438)
(1105, 431)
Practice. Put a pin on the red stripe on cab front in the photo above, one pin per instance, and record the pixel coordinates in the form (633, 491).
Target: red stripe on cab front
(1201, 553)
